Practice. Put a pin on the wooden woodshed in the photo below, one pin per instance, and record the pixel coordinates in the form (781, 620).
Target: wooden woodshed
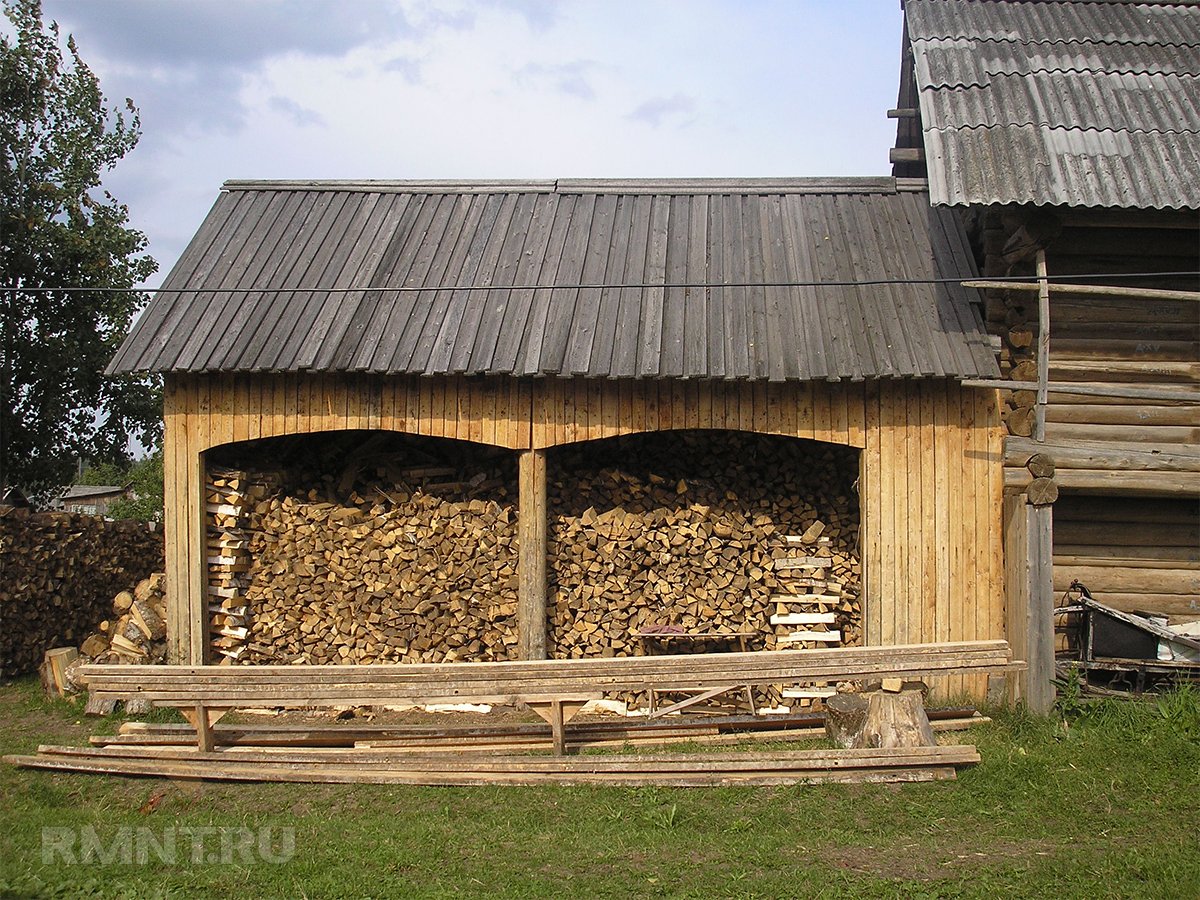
(533, 317)
(1066, 138)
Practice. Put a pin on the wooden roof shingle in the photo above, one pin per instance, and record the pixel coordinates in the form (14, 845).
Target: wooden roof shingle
(737, 279)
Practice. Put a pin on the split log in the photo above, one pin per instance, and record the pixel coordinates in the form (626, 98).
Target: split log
(59, 573)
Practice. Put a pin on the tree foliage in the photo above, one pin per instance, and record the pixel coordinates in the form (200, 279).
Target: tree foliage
(58, 229)
(146, 478)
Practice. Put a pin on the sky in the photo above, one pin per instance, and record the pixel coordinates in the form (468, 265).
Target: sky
(482, 89)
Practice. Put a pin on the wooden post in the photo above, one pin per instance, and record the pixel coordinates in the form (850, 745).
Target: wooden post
(531, 563)
(184, 524)
(1028, 552)
(198, 638)
(1043, 353)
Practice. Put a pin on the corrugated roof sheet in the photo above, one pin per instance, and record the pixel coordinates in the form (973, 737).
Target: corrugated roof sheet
(1074, 103)
(491, 253)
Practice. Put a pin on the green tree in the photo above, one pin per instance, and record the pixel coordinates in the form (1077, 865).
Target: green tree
(146, 478)
(60, 229)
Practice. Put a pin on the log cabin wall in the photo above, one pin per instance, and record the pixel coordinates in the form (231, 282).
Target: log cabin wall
(1127, 469)
(930, 480)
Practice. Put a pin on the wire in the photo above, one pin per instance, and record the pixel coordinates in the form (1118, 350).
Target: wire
(871, 282)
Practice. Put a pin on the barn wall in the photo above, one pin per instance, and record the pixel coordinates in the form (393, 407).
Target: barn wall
(930, 482)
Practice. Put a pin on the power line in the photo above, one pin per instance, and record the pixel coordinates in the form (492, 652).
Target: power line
(673, 285)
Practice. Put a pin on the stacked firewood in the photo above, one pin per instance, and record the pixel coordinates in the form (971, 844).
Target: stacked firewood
(410, 565)
(694, 537)
(58, 575)
(136, 630)
(372, 560)
(230, 502)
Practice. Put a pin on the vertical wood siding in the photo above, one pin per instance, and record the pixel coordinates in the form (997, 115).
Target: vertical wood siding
(930, 486)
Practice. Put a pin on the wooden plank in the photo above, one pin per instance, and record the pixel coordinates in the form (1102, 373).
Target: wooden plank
(1039, 692)
(870, 464)
(1103, 290)
(941, 516)
(532, 596)
(887, 584)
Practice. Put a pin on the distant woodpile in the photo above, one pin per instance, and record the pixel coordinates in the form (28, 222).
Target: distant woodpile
(387, 555)
(58, 575)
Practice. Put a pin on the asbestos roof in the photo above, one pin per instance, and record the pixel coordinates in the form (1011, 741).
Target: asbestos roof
(1075, 103)
(662, 279)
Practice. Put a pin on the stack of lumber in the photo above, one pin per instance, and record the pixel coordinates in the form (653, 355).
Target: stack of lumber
(492, 737)
(385, 766)
(229, 503)
(1132, 554)
(396, 564)
(817, 604)
(682, 530)
(58, 575)
(300, 686)
(136, 630)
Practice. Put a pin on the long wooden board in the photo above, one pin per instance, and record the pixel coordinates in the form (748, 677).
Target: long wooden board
(679, 769)
(302, 686)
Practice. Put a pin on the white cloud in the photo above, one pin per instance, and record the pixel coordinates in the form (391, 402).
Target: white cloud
(484, 89)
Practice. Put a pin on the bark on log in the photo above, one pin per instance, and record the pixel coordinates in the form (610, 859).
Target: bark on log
(879, 719)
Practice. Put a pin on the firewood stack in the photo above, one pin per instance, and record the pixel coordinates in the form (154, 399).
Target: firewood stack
(373, 558)
(408, 565)
(692, 531)
(230, 503)
(58, 574)
(136, 631)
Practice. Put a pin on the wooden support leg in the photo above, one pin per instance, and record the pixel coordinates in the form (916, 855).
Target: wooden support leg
(558, 713)
(203, 720)
(531, 561)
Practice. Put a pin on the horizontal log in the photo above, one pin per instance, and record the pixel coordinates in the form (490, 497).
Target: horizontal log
(1114, 482)
(1126, 370)
(1164, 510)
(1099, 455)
(1124, 555)
(1096, 389)
(1119, 534)
(1157, 434)
(1102, 349)
(1129, 414)
(1129, 580)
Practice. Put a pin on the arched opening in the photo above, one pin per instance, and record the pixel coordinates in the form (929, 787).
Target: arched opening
(702, 532)
(361, 547)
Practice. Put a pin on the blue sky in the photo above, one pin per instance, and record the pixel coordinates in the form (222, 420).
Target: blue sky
(483, 89)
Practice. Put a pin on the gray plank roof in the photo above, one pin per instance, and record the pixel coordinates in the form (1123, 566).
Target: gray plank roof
(1075, 103)
(611, 279)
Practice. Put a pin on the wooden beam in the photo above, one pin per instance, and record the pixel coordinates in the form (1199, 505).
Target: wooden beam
(906, 155)
(531, 562)
(1102, 290)
(903, 113)
(1128, 392)
(1129, 457)
(1043, 351)
(1182, 484)
(1028, 558)
(1039, 649)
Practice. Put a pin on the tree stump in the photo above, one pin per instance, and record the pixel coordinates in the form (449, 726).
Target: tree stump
(845, 716)
(879, 719)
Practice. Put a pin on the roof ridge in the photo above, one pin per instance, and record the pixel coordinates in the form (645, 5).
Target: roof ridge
(948, 129)
(885, 184)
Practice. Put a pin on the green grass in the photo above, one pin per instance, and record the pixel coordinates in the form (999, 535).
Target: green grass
(1106, 806)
